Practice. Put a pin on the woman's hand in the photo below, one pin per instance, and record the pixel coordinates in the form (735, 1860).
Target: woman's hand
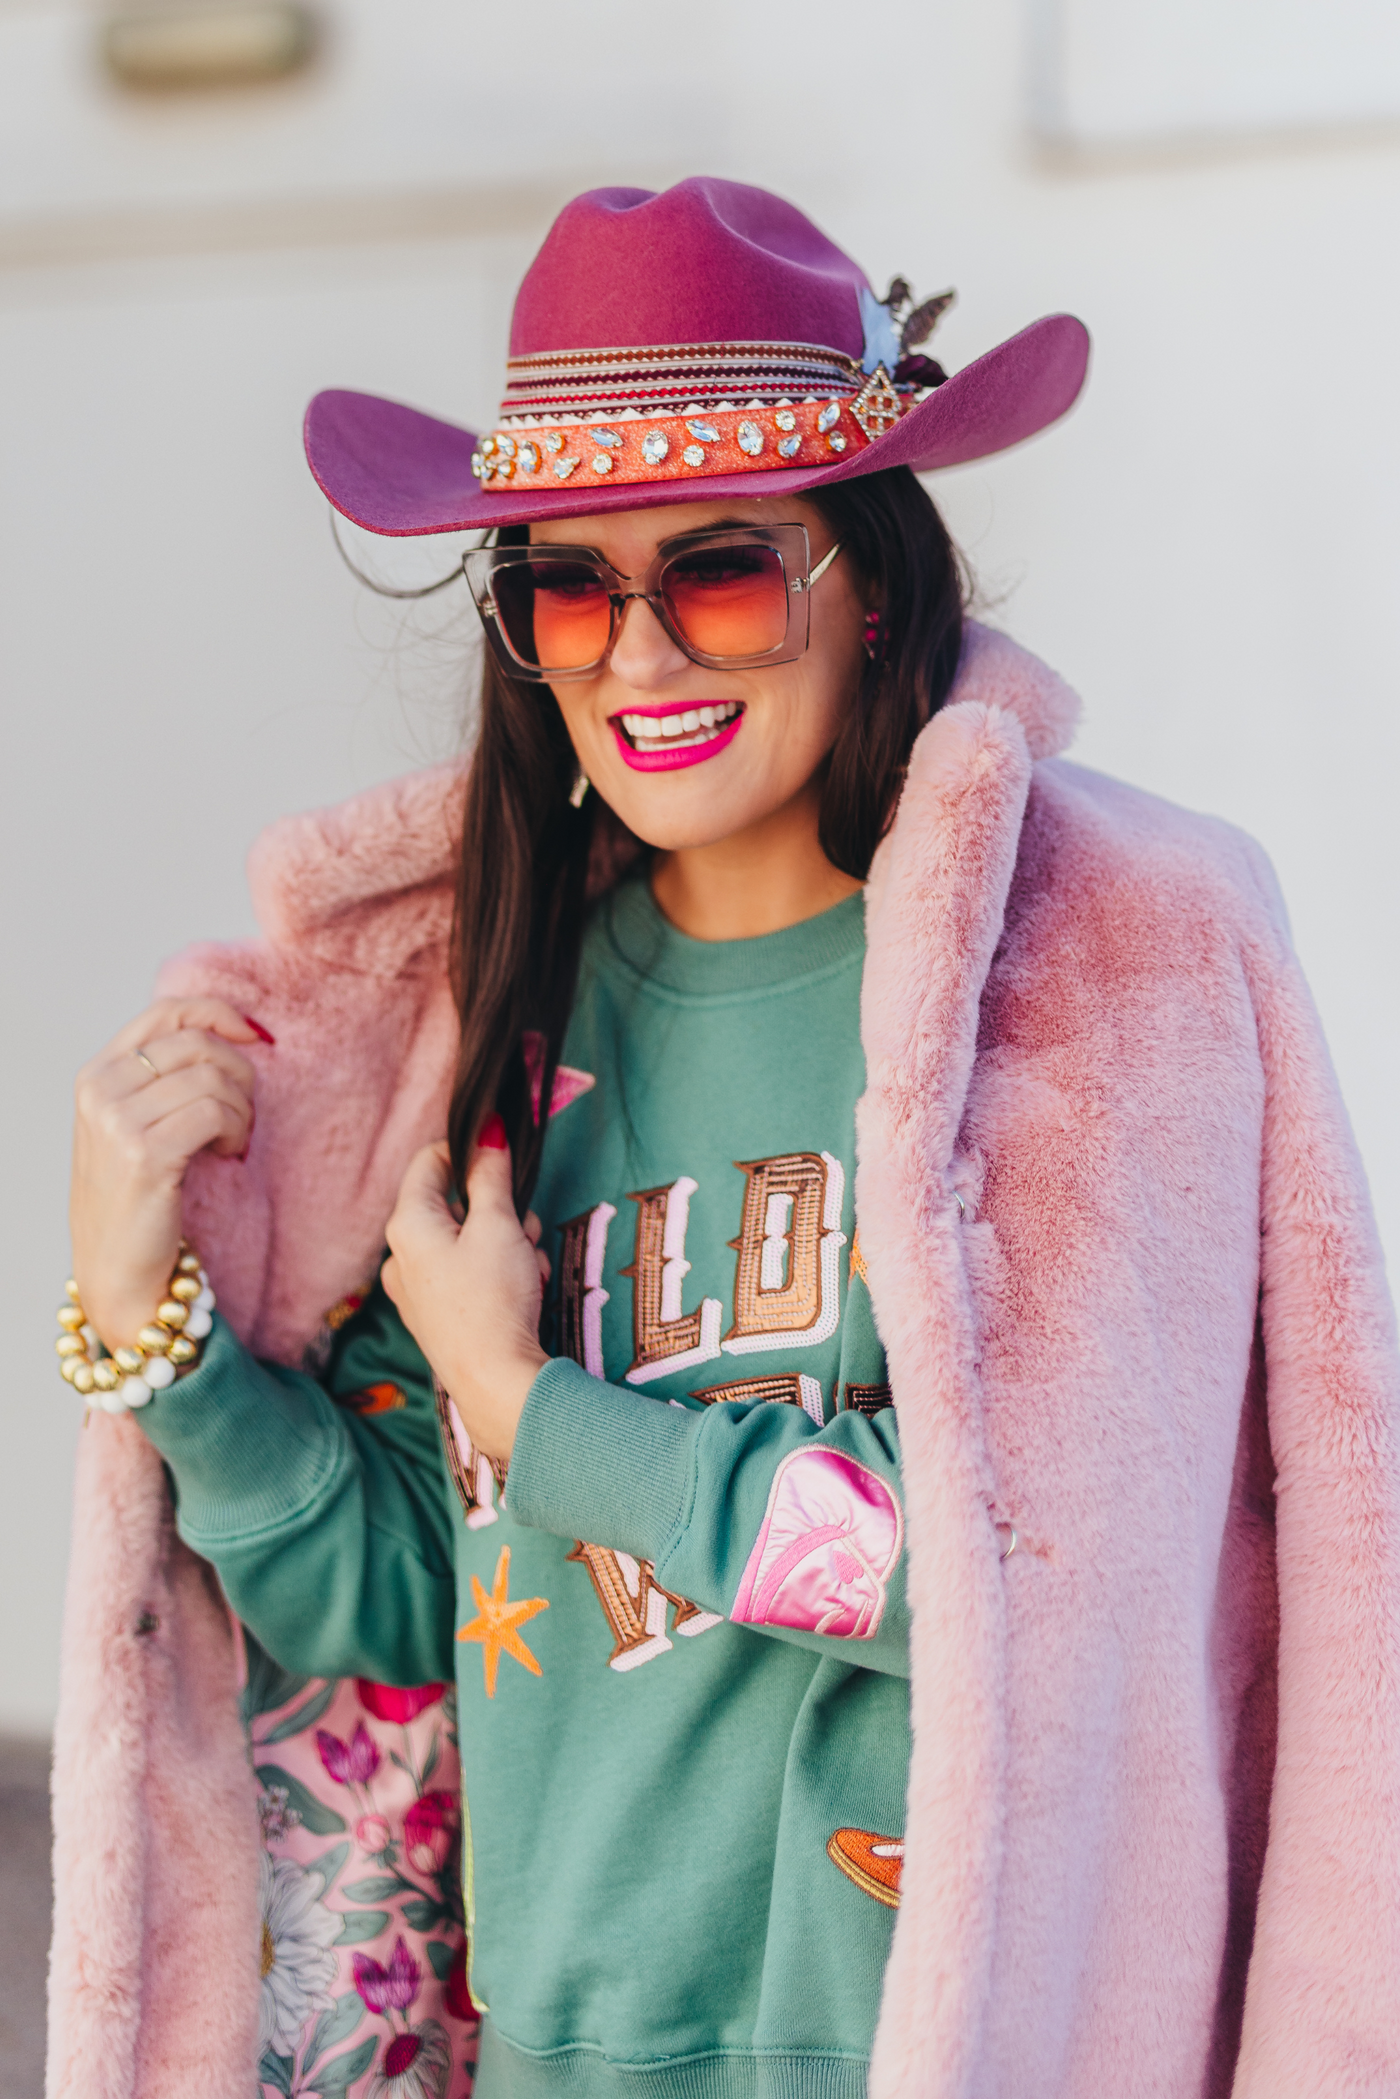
(169, 1085)
(470, 1294)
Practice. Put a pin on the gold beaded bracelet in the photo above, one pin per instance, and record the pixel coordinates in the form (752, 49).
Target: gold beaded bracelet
(169, 1345)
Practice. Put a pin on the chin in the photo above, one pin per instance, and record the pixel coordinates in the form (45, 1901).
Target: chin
(674, 818)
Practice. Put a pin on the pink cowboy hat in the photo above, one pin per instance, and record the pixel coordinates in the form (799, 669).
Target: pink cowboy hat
(703, 342)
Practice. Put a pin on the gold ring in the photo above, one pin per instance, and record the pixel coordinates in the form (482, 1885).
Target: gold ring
(153, 1069)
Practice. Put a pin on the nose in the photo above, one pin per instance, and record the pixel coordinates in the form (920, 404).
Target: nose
(644, 655)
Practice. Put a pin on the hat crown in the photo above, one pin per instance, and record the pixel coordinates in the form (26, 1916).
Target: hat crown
(706, 261)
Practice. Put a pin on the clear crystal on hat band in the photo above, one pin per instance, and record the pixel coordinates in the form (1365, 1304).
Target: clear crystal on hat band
(478, 465)
(602, 462)
(506, 447)
(836, 441)
(706, 432)
(750, 438)
(654, 448)
(564, 467)
(488, 446)
(785, 419)
(789, 447)
(694, 455)
(527, 458)
(606, 437)
(553, 442)
(830, 416)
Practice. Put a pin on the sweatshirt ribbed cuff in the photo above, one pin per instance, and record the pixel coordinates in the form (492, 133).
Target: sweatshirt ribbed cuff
(249, 1451)
(596, 1461)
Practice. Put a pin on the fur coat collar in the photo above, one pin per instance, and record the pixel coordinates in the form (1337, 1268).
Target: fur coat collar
(1133, 1304)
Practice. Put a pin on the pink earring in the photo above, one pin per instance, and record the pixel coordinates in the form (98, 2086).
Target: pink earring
(871, 636)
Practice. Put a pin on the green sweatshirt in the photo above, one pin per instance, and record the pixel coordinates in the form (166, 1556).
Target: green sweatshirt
(679, 1632)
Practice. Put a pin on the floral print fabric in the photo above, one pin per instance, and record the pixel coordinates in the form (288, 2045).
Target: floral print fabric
(363, 1956)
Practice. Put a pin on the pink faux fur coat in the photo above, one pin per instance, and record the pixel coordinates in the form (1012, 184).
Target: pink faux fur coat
(1122, 1258)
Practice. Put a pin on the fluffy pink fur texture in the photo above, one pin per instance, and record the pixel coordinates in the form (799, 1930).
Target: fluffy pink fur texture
(1124, 1266)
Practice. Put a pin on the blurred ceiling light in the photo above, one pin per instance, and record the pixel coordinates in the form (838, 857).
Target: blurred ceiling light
(170, 48)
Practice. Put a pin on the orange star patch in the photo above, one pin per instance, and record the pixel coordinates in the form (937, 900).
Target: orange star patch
(496, 1621)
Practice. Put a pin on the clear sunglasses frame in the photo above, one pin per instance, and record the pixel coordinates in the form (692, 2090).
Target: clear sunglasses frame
(789, 542)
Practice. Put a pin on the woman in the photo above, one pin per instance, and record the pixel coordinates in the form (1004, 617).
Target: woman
(1064, 1448)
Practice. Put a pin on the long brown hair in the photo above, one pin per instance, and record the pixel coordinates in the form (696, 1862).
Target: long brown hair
(527, 854)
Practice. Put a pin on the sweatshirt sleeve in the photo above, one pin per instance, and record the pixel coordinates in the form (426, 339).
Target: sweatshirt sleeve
(750, 1510)
(328, 1523)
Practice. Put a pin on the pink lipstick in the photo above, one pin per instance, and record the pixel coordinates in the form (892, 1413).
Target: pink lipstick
(662, 739)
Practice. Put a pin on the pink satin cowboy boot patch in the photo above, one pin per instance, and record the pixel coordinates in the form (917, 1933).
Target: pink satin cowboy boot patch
(831, 1536)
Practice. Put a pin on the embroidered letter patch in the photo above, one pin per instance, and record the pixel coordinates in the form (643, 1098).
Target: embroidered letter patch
(634, 1605)
(471, 1474)
(583, 1242)
(663, 1337)
(831, 1536)
(786, 1387)
(785, 1278)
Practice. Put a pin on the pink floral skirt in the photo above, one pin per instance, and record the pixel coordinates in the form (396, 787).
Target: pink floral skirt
(364, 1991)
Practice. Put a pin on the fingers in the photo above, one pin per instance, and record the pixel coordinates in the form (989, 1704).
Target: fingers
(169, 1015)
(162, 1055)
(422, 1205)
(546, 1266)
(427, 1179)
(157, 1126)
(533, 1228)
(489, 1182)
(202, 1124)
(202, 1087)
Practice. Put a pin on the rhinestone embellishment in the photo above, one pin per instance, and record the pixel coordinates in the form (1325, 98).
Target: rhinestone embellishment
(785, 420)
(564, 467)
(694, 455)
(876, 407)
(478, 465)
(836, 441)
(609, 438)
(750, 438)
(527, 459)
(789, 447)
(554, 442)
(706, 432)
(654, 448)
(829, 417)
(602, 462)
(506, 447)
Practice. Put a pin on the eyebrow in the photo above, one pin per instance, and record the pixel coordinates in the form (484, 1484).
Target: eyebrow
(719, 524)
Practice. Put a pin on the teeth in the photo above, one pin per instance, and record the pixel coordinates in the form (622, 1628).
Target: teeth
(653, 729)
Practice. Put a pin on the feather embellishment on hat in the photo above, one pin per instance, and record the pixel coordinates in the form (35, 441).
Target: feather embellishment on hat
(881, 336)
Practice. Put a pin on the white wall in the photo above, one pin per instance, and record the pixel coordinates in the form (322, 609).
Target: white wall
(1207, 548)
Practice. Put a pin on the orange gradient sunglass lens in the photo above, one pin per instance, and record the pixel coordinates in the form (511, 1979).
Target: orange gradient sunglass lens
(728, 600)
(725, 601)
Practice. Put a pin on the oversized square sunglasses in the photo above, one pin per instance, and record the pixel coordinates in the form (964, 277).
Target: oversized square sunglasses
(729, 599)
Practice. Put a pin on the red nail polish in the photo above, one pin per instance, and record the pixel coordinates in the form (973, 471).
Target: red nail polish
(259, 1030)
(492, 1136)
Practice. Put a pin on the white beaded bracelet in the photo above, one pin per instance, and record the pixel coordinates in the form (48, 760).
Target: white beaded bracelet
(163, 1350)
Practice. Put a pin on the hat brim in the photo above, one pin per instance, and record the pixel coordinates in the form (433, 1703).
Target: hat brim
(399, 472)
